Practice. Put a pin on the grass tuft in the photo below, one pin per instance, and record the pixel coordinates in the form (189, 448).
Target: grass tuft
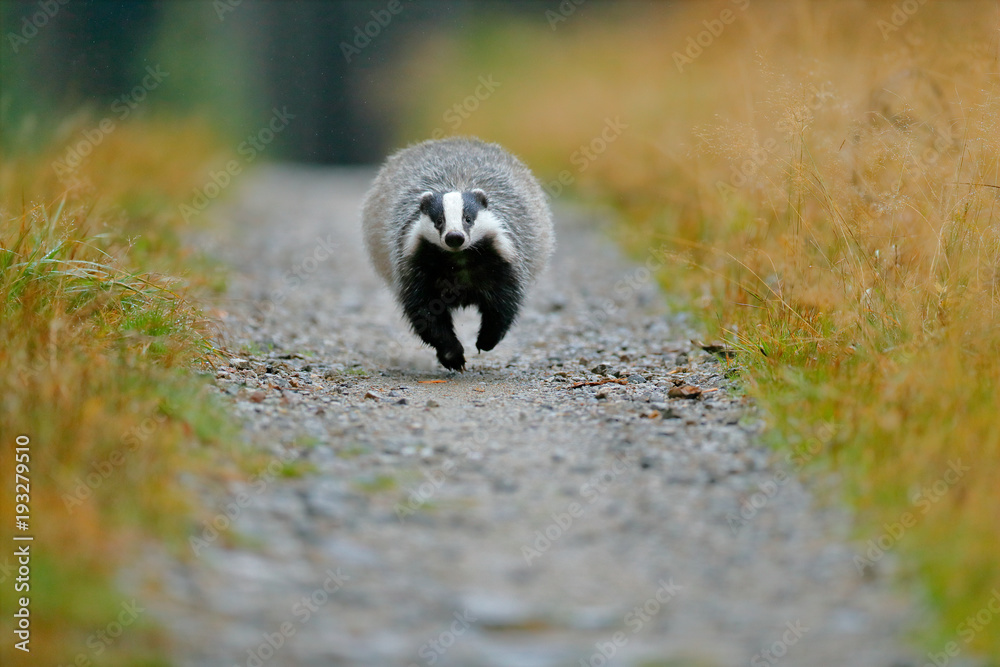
(99, 333)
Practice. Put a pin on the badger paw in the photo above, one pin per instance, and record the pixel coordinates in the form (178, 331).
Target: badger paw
(493, 327)
(452, 358)
(488, 339)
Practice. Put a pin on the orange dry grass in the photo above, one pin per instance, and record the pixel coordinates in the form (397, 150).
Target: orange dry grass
(825, 185)
(95, 358)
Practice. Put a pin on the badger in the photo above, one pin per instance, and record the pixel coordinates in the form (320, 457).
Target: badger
(455, 223)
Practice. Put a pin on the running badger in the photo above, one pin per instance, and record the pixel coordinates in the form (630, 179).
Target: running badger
(456, 223)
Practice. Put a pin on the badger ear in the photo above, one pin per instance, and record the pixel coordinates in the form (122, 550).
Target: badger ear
(480, 197)
(426, 201)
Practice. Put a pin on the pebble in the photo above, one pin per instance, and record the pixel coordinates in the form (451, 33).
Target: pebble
(239, 364)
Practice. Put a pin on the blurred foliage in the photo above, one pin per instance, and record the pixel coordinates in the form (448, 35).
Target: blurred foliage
(91, 59)
(99, 332)
(228, 64)
(211, 65)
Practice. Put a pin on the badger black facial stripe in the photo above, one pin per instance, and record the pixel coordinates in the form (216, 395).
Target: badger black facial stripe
(471, 206)
(433, 208)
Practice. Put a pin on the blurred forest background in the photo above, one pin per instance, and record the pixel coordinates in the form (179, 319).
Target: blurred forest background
(230, 62)
(818, 181)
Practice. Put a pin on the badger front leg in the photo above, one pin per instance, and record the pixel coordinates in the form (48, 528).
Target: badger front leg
(437, 330)
(496, 320)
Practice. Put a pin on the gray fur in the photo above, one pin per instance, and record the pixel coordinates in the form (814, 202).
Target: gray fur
(456, 164)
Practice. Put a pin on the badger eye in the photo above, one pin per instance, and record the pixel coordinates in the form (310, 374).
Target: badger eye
(468, 219)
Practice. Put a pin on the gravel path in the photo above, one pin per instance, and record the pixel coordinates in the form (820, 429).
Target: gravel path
(498, 517)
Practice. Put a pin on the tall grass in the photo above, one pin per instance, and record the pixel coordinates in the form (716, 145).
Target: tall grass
(826, 177)
(99, 333)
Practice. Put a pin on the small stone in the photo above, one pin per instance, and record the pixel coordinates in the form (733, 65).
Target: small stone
(636, 379)
(432, 404)
(240, 364)
(373, 396)
(257, 397)
(258, 367)
(557, 303)
(277, 381)
(602, 393)
(682, 359)
(600, 369)
(402, 401)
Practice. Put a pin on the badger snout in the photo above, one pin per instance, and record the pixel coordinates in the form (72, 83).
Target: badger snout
(454, 240)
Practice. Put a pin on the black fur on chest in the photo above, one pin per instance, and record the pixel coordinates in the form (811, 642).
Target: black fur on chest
(459, 279)
(436, 282)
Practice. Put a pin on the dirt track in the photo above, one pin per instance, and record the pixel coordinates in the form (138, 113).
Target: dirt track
(499, 517)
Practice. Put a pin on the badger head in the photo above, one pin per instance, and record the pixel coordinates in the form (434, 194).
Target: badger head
(455, 221)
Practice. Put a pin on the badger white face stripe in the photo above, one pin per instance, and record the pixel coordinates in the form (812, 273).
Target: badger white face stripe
(453, 207)
(423, 228)
(488, 226)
